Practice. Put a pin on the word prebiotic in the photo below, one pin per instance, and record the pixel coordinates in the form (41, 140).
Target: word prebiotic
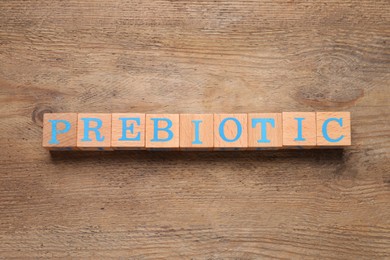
(257, 131)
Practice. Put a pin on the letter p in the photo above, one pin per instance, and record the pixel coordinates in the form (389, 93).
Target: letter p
(55, 131)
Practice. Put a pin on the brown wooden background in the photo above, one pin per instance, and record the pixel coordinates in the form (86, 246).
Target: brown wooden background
(195, 56)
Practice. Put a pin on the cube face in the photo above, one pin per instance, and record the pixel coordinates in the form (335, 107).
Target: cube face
(265, 130)
(94, 132)
(128, 131)
(162, 131)
(196, 131)
(60, 131)
(299, 129)
(230, 131)
(333, 128)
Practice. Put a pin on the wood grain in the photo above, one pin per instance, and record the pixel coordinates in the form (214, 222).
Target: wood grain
(194, 57)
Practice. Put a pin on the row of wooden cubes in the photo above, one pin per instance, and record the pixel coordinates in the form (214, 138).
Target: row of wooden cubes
(87, 131)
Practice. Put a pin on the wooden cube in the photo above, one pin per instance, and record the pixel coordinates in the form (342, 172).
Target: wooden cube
(94, 132)
(59, 131)
(128, 131)
(299, 129)
(196, 131)
(230, 131)
(162, 131)
(333, 129)
(265, 130)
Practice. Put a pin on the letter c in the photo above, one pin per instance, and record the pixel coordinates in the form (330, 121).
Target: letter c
(325, 129)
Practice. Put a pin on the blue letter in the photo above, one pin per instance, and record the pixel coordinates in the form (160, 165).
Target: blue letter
(87, 129)
(166, 129)
(196, 123)
(54, 130)
(325, 129)
(222, 132)
(130, 128)
(299, 134)
(263, 122)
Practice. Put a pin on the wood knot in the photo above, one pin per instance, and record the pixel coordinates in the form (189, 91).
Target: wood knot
(37, 114)
(336, 79)
(329, 96)
(337, 65)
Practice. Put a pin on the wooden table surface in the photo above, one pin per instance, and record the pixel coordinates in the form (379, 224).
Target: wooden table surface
(184, 57)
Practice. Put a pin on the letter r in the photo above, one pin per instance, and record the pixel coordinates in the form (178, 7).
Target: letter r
(88, 128)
